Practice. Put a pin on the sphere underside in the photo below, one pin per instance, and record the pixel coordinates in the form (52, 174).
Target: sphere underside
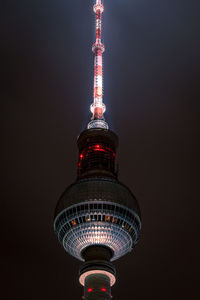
(98, 223)
(97, 234)
(95, 219)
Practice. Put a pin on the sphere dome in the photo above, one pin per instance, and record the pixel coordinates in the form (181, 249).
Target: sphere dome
(97, 211)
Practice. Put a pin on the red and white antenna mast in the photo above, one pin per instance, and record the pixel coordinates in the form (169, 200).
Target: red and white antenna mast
(98, 107)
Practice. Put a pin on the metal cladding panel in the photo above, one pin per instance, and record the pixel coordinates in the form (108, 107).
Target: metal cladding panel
(98, 33)
(98, 15)
(98, 70)
(99, 189)
(98, 83)
(98, 91)
(98, 58)
(98, 112)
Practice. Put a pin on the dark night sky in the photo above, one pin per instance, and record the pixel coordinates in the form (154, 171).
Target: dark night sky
(151, 88)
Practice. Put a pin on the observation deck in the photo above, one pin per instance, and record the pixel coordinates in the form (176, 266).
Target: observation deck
(97, 209)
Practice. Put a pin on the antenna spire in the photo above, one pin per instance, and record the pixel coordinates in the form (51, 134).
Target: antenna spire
(98, 107)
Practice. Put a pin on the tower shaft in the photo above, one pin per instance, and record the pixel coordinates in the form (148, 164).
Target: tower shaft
(97, 274)
(97, 287)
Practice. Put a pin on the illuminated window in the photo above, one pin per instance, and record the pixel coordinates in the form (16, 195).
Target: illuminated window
(107, 218)
(74, 222)
(87, 219)
(114, 220)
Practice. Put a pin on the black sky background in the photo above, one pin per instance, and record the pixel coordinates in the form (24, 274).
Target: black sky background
(151, 90)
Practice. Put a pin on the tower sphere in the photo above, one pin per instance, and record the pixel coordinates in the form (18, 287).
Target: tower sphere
(97, 209)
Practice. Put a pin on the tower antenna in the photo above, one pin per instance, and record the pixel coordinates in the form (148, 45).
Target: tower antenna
(98, 107)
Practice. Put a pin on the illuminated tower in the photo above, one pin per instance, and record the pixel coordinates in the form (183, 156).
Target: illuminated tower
(97, 218)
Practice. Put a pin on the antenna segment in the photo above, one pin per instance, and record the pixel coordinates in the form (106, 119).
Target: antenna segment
(98, 107)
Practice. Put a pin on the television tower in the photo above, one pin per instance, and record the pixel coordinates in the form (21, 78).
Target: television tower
(97, 218)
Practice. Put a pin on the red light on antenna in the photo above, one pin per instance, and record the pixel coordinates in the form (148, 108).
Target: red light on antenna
(103, 289)
(81, 156)
(90, 290)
